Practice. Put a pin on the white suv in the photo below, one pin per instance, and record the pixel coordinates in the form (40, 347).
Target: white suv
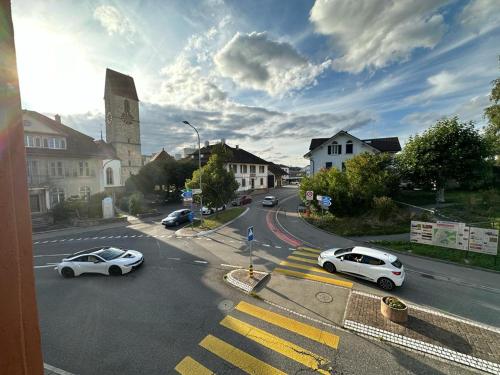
(366, 263)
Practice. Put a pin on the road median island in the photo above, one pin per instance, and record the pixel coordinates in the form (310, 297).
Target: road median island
(241, 279)
(437, 252)
(212, 223)
(432, 332)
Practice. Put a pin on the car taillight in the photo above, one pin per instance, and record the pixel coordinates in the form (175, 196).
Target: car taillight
(396, 273)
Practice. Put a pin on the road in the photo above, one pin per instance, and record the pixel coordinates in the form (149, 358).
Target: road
(177, 306)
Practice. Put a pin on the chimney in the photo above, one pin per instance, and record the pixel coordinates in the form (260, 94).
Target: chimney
(237, 146)
(207, 143)
(57, 118)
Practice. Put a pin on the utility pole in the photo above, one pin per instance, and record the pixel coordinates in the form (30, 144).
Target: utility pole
(199, 167)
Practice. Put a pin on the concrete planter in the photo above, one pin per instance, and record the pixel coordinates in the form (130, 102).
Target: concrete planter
(396, 315)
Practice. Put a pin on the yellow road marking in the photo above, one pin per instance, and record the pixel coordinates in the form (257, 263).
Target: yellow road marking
(303, 267)
(237, 357)
(311, 261)
(313, 333)
(189, 366)
(305, 254)
(286, 348)
(312, 250)
(309, 276)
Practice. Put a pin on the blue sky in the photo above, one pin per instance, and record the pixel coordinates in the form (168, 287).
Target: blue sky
(266, 75)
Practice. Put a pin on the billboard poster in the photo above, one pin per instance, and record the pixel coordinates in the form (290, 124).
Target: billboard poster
(450, 234)
(421, 232)
(483, 240)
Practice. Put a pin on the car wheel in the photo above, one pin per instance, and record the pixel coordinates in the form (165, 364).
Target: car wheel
(386, 283)
(115, 271)
(67, 272)
(329, 267)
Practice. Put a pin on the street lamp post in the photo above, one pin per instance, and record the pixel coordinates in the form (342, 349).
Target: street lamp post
(199, 167)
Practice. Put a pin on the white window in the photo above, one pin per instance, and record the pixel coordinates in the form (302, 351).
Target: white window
(80, 167)
(262, 169)
(85, 193)
(348, 147)
(252, 169)
(235, 168)
(30, 141)
(243, 169)
(45, 143)
(57, 195)
(37, 142)
(335, 149)
(109, 176)
(60, 170)
(52, 143)
(53, 168)
(63, 143)
(261, 181)
(243, 182)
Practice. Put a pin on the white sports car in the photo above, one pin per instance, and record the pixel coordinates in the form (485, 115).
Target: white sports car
(105, 260)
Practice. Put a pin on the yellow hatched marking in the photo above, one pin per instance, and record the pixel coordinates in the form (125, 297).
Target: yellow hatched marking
(311, 261)
(303, 267)
(189, 366)
(305, 254)
(309, 276)
(286, 348)
(237, 357)
(313, 333)
(312, 250)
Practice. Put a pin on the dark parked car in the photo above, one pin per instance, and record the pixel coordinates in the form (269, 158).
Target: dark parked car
(177, 218)
(240, 201)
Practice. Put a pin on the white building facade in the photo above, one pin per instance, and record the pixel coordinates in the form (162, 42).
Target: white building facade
(249, 176)
(333, 152)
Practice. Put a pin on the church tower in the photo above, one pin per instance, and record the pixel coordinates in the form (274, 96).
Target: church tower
(123, 129)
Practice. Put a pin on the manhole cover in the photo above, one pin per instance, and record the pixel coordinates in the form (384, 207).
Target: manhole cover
(324, 297)
(225, 305)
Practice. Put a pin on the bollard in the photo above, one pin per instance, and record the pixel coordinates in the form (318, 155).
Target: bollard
(250, 271)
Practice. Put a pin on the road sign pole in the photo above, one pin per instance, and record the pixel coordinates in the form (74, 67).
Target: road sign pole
(250, 270)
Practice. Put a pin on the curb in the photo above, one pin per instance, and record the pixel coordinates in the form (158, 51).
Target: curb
(420, 346)
(204, 233)
(241, 285)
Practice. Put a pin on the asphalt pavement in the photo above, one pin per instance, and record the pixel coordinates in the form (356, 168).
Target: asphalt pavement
(173, 307)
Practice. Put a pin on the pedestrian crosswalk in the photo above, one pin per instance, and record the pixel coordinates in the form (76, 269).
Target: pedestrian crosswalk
(250, 323)
(302, 263)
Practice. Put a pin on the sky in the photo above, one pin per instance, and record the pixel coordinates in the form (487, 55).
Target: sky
(265, 75)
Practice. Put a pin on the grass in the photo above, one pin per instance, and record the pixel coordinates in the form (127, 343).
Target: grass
(367, 224)
(438, 252)
(219, 218)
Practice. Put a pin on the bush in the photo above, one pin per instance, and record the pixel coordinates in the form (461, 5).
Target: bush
(136, 203)
(123, 203)
(384, 207)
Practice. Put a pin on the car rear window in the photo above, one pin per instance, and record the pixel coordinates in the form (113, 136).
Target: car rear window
(397, 263)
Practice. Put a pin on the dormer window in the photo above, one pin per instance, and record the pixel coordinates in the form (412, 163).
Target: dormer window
(334, 149)
(348, 147)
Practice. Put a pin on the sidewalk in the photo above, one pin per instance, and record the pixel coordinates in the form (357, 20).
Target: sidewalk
(428, 331)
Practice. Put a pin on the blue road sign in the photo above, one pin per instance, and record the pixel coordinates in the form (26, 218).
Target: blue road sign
(250, 234)
(326, 201)
(187, 194)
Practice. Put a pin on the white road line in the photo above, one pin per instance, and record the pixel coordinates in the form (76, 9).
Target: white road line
(94, 238)
(162, 236)
(277, 247)
(54, 241)
(125, 236)
(201, 261)
(64, 239)
(86, 238)
(44, 241)
(71, 239)
(291, 249)
(56, 370)
(132, 236)
(174, 258)
(231, 241)
(266, 245)
(139, 236)
(170, 236)
(103, 237)
(78, 239)
(112, 236)
(48, 255)
(46, 266)
(34, 243)
(208, 239)
(118, 236)
(230, 265)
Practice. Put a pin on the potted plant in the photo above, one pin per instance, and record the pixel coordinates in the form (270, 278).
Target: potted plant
(393, 309)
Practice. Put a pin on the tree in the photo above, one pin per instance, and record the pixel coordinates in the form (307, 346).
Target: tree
(447, 151)
(492, 130)
(218, 184)
(366, 176)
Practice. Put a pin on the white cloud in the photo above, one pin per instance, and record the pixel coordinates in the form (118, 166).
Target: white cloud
(443, 83)
(481, 14)
(254, 61)
(114, 21)
(374, 34)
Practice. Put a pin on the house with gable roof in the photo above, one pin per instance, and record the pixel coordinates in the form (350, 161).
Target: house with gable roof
(334, 151)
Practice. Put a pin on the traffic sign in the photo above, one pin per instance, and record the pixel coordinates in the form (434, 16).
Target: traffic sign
(309, 195)
(196, 191)
(319, 197)
(187, 194)
(326, 201)
(250, 234)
